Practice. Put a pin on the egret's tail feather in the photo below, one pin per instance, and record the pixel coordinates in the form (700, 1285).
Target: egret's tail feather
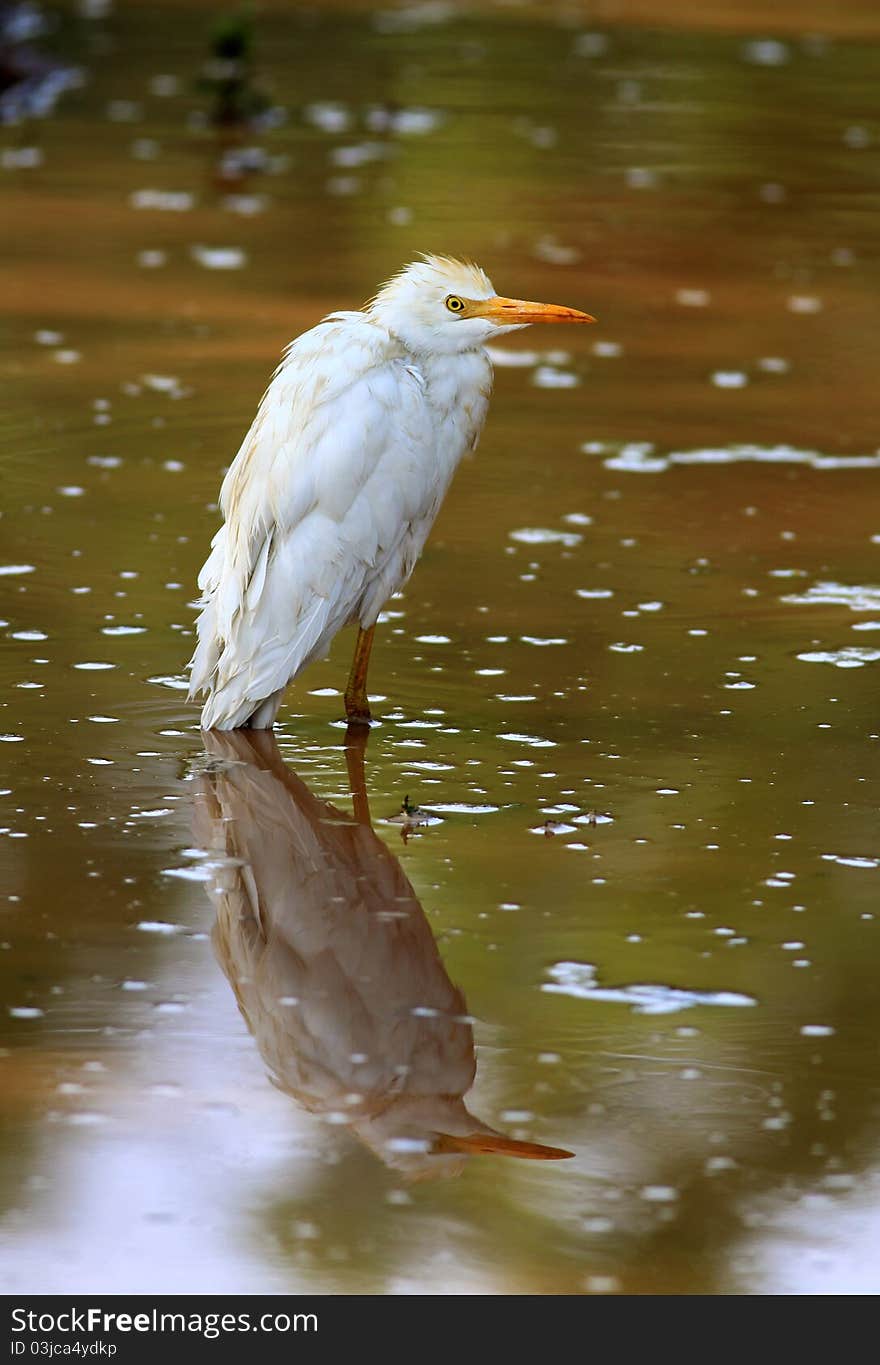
(244, 677)
(203, 664)
(264, 716)
(223, 712)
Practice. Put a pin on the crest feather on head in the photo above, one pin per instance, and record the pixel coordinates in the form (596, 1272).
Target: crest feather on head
(437, 272)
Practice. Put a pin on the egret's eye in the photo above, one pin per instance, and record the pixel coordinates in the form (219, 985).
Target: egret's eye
(454, 303)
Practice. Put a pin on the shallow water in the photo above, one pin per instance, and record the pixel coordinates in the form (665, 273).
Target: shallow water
(633, 679)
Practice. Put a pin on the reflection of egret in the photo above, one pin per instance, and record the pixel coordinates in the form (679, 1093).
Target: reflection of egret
(331, 497)
(334, 965)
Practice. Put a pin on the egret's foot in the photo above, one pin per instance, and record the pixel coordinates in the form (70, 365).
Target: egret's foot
(357, 713)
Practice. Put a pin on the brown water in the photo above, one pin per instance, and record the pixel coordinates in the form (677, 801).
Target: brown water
(648, 615)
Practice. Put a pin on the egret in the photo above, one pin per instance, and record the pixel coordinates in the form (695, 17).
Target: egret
(330, 499)
(333, 963)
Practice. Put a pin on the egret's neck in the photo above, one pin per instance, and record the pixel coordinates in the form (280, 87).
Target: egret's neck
(456, 380)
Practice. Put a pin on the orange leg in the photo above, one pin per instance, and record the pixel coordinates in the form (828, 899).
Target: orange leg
(357, 703)
(356, 737)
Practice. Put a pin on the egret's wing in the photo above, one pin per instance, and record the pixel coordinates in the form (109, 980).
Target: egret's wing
(326, 482)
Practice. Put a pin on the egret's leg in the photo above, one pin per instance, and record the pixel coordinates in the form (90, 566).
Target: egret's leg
(357, 703)
(356, 737)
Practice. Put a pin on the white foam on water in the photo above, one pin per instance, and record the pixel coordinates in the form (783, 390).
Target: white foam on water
(540, 535)
(850, 656)
(579, 979)
(638, 457)
(856, 596)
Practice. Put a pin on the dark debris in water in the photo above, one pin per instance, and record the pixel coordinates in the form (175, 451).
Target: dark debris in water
(411, 817)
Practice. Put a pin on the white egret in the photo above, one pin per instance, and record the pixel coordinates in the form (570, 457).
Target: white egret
(330, 499)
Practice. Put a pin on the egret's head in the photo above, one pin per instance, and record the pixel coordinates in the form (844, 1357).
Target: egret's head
(438, 304)
(429, 1137)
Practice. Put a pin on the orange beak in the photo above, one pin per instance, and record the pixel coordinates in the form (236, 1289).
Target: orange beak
(495, 1144)
(510, 311)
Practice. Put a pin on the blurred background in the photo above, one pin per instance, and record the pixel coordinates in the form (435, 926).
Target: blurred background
(631, 686)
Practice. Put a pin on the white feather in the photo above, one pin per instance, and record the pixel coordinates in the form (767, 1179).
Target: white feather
(333, 492)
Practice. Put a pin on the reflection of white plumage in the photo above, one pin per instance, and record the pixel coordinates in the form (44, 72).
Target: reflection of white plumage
(334, 490)
(334, 965)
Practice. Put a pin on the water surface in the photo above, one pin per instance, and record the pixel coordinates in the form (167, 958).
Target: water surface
(633, 680)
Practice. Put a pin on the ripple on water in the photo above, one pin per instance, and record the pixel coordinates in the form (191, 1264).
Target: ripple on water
(729, 379)
(849, 656)
(549, 377)
(693, 298)
(540, 535)
(327, 115)
(856, 596)
(219, 257)
(462, 808)
(535, 741)
(766, 52)
(203, 871)
(579, 979)
(502, 358)
(164, 201)
(638, 457)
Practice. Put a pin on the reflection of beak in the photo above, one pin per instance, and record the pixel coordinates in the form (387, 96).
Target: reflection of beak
(488, 1144)
(507, 312)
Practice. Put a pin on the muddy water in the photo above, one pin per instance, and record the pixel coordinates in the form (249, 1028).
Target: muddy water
(633, 682)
